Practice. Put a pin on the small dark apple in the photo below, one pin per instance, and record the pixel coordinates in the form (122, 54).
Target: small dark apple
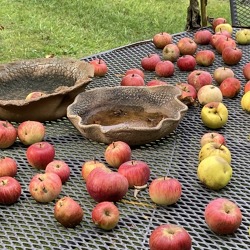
(68, 212)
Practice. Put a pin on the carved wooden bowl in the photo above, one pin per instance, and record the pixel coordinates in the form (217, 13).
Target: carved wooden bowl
(60, 81)
(135, 115)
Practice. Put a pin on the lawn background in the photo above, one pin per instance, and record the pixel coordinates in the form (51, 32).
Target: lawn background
(78, 28)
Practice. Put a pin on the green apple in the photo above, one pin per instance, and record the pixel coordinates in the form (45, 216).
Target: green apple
(214, 115)
(214, 148)
(245, 101)
(224, 26)
(214, 172)
(243, 36)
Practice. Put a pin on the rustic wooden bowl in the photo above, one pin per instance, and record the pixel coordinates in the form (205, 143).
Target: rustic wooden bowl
(135, 115)
(61, 80)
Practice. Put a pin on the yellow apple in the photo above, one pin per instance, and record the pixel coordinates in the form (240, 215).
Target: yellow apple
(214, 172)
(245, 101)
(34, 95)
(214, 148)
(224, 26)
(214, 115)
(243, 36)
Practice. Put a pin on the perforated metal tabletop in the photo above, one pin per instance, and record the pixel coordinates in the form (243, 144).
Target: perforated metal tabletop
(30, 225)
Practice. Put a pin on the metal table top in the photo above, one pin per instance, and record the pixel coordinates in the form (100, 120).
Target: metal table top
(28, 224)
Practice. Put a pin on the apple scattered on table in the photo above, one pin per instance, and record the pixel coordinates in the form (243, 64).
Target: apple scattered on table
(245, 101)
(105, 215)
(160, 40)
(132, 80)
(135, 71)
(59, 167)
(165, 190)
(156, 82)
(170, 237)
(199, 78)
(212, 137)
(188, 93)
(214, 172)
(30, 132)
(222, 73)
(164, 68)
(230, 87)
(8, 134)
(40, 154)
(223, 216)
(45, 187)
(202, 37)
(171, 52)
(10, 190)
(8, 166)
(246, 71)
(187, 46)
(205, 58)
(68, 212)
(100, 67)
(209, 93)
(149, 62)
(214, 115)
(137, 172)
(186, 63)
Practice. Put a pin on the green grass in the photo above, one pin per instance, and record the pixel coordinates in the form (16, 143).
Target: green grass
(77, 28)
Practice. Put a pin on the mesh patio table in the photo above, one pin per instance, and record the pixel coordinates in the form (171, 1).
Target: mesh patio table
(30, 225)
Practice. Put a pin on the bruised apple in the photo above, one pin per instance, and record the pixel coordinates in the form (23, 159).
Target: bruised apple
(199, 78)
(212, 137)
(221, 73)
(188, 93)
(68, 212)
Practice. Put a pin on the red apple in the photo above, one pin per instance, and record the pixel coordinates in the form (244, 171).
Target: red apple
(88, 166)
(224, 42)
(231, 56)
(160, 40)
(187, 46)
(149, 62)
(170, 237)
(221, 73)
(135, 71)
(212, 137)
(215, 37)
(34, 95)
(202, 37)
(40, 154)
(230, 87)
(171, 52)
(45, 187)
(30, 132)
(186, 63)
(59, 167)
(10, 190)
(100, 67)
(68, 212)
(246, 71)
(117, 153)
(217, 21)
(132, 80)
(199, 78)
(156, 82)
(106, 186)
(105, 215)
(136, 172)
(189, 93)
(224, 32)
(165, 191)
(205, 57)
(8, 134)
(223, 216)
(164, 68)
(8, 166)
(247, 87)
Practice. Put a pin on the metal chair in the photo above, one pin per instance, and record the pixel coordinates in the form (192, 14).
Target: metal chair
(240, 13)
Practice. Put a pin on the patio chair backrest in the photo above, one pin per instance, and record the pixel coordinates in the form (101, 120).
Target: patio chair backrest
(240, 13)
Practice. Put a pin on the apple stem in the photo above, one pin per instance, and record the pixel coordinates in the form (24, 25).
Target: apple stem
(99, 61)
